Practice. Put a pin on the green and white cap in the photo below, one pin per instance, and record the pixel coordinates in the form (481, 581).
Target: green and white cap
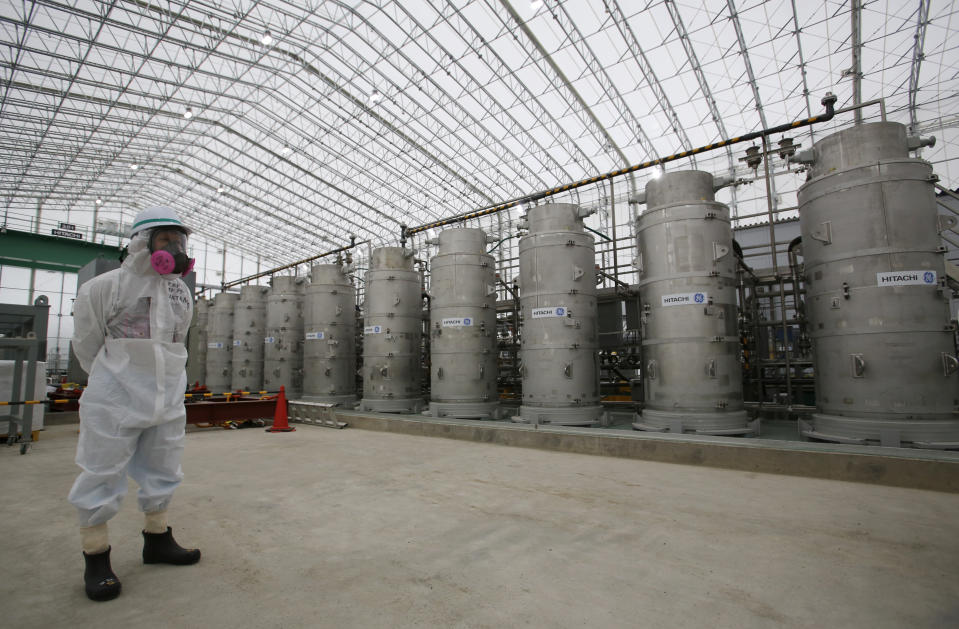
(159, 216)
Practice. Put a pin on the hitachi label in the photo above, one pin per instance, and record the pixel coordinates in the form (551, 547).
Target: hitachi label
(906, 278)
(214, 345)
(549, 311)
(685, 299)
(457, 322)
(237, 343)
(373, 329)
(315, 336)
(269, 339)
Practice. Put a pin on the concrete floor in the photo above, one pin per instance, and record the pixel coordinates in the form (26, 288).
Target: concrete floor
(354, 528)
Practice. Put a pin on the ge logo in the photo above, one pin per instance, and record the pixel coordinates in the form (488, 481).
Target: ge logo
(699, 297)
(376, 329)
(466, 321)
(560, 311)
(929, 277)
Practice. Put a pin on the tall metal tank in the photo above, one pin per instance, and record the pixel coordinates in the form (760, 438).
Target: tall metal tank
(560, 338)
(283, 343)
(249, 329)
(692, 371)
(219, 345)
(196, 345)
(329, 366)
(463, 326)
(393, 334)
(885, 362)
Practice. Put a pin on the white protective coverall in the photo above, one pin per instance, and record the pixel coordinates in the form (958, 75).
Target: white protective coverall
(130, 326)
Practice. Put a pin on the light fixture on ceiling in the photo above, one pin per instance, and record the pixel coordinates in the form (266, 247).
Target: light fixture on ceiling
(286, 149)
(220, 189)
(99, 201)
(267, 38)
(535, 5)
(134, 166)
(375, 97)
(188, 113)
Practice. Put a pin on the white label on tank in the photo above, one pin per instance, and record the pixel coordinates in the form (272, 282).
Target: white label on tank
(549, 311)
(373, 329)
(314, 336)
(457, 322)
(906, 278)
(685, 299)
(269, 339)
(214, 345)
(237, 343)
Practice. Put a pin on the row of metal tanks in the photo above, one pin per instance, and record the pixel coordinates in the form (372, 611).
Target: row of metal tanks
(876, 290)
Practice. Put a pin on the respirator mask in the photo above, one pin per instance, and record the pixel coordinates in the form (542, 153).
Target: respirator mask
(168, 252)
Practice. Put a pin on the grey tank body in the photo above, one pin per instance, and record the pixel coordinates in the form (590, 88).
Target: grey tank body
(687, 282)
(463, 327)
(393, 334)
(249, 328)
(219, 352)
(875, 296)
(196, 347)
(329, 367)
(283, 342)
(560, 338)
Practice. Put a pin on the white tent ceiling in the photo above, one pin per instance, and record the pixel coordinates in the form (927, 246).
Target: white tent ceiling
(316, 119)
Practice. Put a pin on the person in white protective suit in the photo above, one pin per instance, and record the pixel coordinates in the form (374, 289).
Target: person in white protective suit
(130, 328)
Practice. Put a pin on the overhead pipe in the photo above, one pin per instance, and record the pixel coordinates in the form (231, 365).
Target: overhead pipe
(828, 101)
(249, 278)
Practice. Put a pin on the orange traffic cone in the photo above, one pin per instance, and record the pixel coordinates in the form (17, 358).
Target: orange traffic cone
(280, 423)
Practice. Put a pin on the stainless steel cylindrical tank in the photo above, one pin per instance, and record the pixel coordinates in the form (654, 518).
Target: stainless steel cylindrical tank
(249, 328)
(393, 334)
(283, 343)
(463, 327)
(219, 346)
(885, 362)
(691, 370)
(196, 346)
(329, 350)
(560, 338)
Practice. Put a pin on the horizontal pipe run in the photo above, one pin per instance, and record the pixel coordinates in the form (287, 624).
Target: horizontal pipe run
(828, 101)
(249, 278)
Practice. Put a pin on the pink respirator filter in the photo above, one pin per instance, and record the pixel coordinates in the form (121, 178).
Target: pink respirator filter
(164, 263)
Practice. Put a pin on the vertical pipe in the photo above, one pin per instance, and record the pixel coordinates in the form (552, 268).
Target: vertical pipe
(612, 214)
(223, 266)
(779, 279)
(856, 70)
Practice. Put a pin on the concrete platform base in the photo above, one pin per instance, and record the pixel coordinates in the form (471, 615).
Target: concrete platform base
(899, 467)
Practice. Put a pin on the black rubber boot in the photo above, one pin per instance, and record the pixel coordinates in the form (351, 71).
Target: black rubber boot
(101, 583)
(162, 548)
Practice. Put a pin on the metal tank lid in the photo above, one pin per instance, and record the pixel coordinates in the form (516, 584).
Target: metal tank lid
(253, 293)
(398, 258)
(328, 274)
(462, 240)
(225, 298)
(680, 186)
(860, 145)
(287, 283)
(555, 217)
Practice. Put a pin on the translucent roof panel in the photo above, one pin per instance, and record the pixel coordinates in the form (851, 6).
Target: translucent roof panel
(285, 127)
